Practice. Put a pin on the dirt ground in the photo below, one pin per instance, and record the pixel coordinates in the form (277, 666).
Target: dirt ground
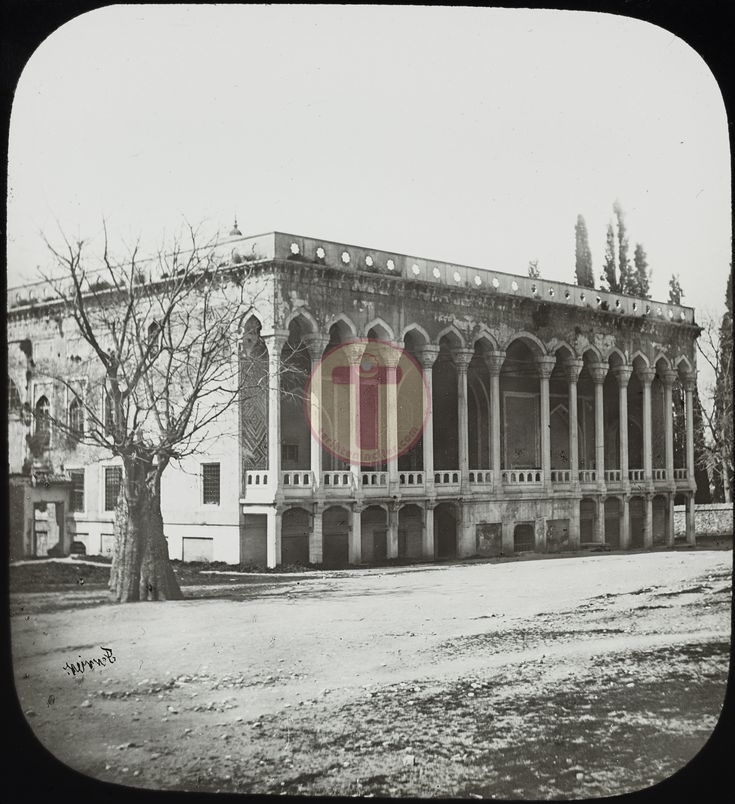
(584, 676)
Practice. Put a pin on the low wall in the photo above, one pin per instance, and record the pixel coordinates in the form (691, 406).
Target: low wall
(714, 519)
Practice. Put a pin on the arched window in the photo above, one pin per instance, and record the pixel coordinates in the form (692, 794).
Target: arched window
(43, 423)
(76, 418)
(154, 335)
(13, 397)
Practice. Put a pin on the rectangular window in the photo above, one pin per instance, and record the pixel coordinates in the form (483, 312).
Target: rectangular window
(210, 483)
(290, 453)
(113, 481)
(77, 490)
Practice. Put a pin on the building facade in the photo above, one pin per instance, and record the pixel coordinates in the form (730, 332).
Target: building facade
(554, 417)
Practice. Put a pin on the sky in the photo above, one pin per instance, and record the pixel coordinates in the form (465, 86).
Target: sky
(469, 135)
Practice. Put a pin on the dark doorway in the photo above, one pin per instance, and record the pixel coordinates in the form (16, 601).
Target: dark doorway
(295, 528)
(445, 530)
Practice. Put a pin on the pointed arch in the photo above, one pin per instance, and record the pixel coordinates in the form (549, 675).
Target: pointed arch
(452, 334)
(531, 340)
(563, 347)
(310, 325)
(682, 364)
(342, 322)
(660, 357)
(384, 331)
(616, 357)
(640, 356)
(591, 354)
(485, 338)
(418, 329)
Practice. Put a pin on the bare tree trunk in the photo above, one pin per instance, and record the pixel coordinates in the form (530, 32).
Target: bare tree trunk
(140, 564)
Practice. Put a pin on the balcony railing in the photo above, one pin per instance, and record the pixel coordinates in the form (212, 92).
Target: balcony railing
(587, 476)
(374, 479)
(256, 478)
(636, 475)
(659, 474)
(449, 478)
(483, 476)
(337, 479)
(613, 476)
(297, 479)
(561, 476)
(680, 474)
(411, 478)
(522, 477)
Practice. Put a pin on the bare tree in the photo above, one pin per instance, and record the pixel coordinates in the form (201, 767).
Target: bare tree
(718, 412)
(160, 347)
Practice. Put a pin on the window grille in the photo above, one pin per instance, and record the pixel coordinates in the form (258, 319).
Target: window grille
(210, 484)
(77, 490)
(113, 481)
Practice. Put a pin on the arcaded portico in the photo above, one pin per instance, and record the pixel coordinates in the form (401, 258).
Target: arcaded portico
(558, 415)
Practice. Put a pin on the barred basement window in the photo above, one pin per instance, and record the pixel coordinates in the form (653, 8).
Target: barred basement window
(77, 490)
(210, 483)
(113, 481)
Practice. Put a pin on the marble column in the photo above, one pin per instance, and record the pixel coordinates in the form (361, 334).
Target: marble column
(316, 537)
(354, 352)
(428, 358)
(598, 371)
(622, 375)
(494, 362)
(275, 344)
(573, 367)
(646, 375)
(690, 381)
(274, 518)
(462, 358)
(667, 379)
(316, 344)
(354, 545)
(545, 365)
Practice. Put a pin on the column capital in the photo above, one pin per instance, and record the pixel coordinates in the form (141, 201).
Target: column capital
(390, 353)
(573, 367)
(645, 374)
(598, 372)
(316, 344)
(462, 358)
(622, 375)
(357, 507)
(668, 376)
(354, 351)
(689, 381)
(545, 365)
(428, 356)
(494, 361)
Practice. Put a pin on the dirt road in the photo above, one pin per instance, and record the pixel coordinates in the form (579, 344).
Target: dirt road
(584, 676)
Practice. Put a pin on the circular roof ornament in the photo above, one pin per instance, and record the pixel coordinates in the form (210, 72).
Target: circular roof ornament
(456, 276)
(295, 248)
(346, 257)
(369, 261)
(415, 269)
(514, 285)
(320, 253)
(496, 282)
(478, 281)
(391, 265)
(437, 273)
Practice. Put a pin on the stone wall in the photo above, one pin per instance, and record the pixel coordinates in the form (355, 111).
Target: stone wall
(710, 520)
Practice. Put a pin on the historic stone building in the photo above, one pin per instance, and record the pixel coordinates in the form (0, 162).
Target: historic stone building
(559, 416)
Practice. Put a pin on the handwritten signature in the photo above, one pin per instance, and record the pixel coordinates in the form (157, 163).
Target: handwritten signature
(79, 667)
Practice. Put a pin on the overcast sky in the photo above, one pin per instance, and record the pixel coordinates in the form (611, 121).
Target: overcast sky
(469, 135)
